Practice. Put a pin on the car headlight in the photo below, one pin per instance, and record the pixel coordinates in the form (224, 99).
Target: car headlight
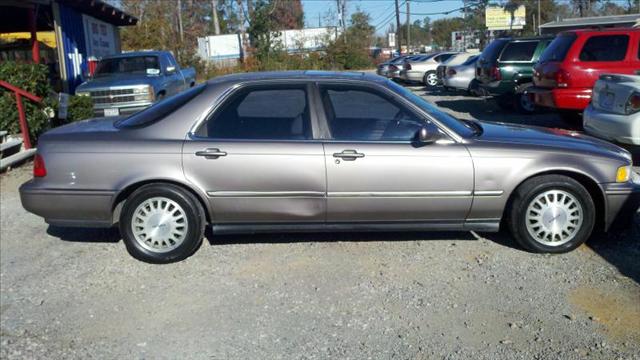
(82, 93)
(143, 93)
(623, 174)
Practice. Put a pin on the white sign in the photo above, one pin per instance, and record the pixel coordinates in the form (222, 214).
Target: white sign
(392, 39)
(99, 37)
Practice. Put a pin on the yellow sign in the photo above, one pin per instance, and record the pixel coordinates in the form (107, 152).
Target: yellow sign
(497, 18)
(47, 37)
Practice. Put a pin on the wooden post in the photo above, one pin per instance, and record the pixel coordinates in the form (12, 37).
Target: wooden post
(33, 28)
(23, 122)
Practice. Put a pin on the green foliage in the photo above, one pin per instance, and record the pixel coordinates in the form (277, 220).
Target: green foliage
(80, 108)
(32, 78)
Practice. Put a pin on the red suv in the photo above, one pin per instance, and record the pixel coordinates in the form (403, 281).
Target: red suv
(569, 67)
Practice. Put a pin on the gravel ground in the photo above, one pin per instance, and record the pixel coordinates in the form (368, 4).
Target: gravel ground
(69, 293)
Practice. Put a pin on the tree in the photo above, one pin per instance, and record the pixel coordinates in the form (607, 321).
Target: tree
(287, 14)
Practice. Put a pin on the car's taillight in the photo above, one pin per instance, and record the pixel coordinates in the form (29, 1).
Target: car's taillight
(393, 68)
(495, 73)
(562, 79)
(451, 72)
(633, 103)
(39, 170)
(407, 66)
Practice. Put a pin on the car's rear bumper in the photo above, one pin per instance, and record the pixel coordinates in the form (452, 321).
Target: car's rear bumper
(456, 82)
(609, 126)
(568, 99)
(84, 208)
(622, 202)
(410, 75)
(498, 88)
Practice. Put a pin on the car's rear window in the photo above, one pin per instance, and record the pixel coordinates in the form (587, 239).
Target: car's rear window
(605, 48)
(471, 60)
(519, 51)
(558, 49)
(490, 53)
(159, 110)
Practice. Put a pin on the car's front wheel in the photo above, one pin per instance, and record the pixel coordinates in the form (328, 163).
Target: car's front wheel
(551, 214)
(162, 223)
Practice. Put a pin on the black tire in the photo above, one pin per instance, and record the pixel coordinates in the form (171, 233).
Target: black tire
(194, 217)
(527, 192)
(430, 74)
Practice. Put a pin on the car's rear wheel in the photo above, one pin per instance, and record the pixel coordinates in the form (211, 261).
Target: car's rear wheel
(162, 223)
(551, 214)
(524, 103)
(430, 79)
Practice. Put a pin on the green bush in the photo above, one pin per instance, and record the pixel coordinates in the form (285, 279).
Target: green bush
(80, 108)
(34, 79)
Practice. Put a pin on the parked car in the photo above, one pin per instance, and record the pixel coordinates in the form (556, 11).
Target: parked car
(614, 111)
(507, 73)
(321, 151)
(456, 59)
(383, 68)
(460, 77)
(397, 66)
(568, 69)
(424, 70)
(129, 82)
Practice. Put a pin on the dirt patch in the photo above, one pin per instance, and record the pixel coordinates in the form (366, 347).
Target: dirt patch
(619, 313)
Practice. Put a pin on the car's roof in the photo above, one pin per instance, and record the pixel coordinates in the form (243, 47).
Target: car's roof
(603, 30)
(137, 53)
(300, 75)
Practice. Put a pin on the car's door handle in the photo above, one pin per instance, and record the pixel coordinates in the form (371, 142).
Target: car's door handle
(211, 153)
(348, 155)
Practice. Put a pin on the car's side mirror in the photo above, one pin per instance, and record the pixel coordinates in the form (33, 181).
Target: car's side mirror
(171, 69)
(428, 135)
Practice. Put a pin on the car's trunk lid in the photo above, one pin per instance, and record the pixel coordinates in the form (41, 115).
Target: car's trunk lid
(612, 92)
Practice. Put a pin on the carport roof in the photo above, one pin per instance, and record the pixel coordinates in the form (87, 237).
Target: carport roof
(630, 19)
(14, 13)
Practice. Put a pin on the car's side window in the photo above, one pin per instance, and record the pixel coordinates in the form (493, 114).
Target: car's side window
(274, 113)
(519, 51)
(605, 48)
(364, 114)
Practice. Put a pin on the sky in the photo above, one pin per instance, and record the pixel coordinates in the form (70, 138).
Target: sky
(382, 12)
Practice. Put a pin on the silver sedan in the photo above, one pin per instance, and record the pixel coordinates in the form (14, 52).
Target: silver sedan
(460, 76)
(321, 151)
(614, 112)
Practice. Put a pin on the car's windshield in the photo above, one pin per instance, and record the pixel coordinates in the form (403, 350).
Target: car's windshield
(462, 128)
(558, 49)
(471, 60)
(159, 110)
(146, 65)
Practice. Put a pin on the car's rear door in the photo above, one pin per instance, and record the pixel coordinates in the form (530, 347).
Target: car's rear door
(256, 158)
(601, 54)
(377, 173)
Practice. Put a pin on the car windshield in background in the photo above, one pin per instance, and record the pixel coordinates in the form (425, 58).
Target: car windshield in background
(519, 51)
(460, 127)
(557, 50)
(146, 65)
(471, 60)
(159, 110)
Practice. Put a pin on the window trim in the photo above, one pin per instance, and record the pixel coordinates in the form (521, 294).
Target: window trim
(518, 61)
(584, 43)
(236, 88)
(452, 135)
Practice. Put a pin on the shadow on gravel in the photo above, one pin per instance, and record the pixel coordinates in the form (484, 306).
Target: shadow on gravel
(283, 238)
(85, 235)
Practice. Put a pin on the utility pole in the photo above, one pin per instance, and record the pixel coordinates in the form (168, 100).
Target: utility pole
(538, 17)
(216, 23)
(408, 27)
(398, 37)
(243, 33)
(180, 20)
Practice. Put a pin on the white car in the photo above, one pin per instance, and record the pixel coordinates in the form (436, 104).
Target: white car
(456, 59)
(614, 111)
(424, 71)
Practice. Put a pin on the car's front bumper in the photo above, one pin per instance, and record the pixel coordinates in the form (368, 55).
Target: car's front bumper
(83, 208)
(622, 202)
(123, 109)
(614, 127)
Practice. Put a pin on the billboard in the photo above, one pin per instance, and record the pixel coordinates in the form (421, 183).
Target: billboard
(497, 18)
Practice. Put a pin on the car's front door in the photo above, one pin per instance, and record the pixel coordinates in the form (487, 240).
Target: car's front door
(375, 170)
(256, 159)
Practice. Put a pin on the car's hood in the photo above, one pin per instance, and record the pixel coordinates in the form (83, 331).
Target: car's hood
(117, 80)
(548, 137)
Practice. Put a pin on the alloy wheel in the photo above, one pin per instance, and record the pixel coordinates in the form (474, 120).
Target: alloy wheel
(159, 224)
(554, 217)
